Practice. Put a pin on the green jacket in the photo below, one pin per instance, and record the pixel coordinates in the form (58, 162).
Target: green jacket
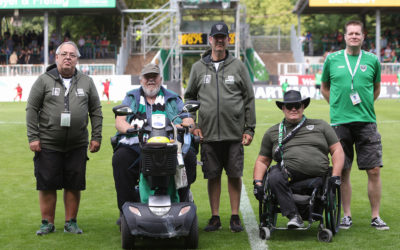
(226, 96)
(46, 103)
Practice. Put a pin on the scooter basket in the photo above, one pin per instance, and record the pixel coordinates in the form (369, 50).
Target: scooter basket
(159, 159)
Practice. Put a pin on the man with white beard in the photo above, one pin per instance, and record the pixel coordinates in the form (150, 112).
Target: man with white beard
(151, 98)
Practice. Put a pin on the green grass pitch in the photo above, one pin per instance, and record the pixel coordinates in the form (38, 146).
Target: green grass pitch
(20, 215)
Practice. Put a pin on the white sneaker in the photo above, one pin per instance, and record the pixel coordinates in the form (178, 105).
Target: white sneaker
(295, 222)
(346, 222)
(379, 224)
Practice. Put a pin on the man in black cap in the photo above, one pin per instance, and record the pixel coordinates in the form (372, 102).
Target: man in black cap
(300, 146)
(226, 120)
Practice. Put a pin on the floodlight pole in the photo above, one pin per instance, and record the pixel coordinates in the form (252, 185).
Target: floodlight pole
(122, 27)
(378, 33)
(46, 39)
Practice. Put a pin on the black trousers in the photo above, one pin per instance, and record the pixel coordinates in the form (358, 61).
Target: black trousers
(280, 186)
(126, 174)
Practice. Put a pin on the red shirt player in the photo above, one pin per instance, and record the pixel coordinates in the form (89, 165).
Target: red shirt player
(19, 92)
(106, 85)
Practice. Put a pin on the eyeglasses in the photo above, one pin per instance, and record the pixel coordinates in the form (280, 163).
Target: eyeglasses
(71, 55)
(295, 105)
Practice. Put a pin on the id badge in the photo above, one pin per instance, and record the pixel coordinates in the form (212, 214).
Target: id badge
(158, 121)
(65, 119)
(355, 98)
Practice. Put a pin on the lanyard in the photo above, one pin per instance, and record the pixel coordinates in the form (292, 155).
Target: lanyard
(355, 69)
(282, 140)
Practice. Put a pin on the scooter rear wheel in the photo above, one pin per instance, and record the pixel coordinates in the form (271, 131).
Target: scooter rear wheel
(127, 239)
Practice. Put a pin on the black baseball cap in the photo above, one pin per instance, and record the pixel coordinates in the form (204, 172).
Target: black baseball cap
(219, 28)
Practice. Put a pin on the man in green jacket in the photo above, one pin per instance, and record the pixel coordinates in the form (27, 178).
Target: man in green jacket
(57, 117)
(226, 120)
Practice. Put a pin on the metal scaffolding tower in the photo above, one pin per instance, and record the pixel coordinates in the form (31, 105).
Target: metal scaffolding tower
(165, 28)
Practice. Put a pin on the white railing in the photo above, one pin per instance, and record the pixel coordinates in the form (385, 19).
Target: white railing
(37, 69)
(312, 69)
(97, 69)
(390, 68)
(21, 69)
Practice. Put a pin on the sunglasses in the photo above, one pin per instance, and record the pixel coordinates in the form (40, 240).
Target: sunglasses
(295, 105)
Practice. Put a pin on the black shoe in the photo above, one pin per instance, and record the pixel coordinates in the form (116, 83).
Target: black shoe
(214, 224)
(118, 222)
(236, 225)
(295, 222)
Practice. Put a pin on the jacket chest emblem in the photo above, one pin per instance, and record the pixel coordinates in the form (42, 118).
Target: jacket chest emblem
(363, 68)
(80, 92)
(55, 92)
(310, 127)
(207, 79)
(229, 79)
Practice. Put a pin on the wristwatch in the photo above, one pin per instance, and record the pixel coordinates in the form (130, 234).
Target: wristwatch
(256, 181)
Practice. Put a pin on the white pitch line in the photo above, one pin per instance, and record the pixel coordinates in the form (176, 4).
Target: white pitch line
(379, 122)
(10, 123)
(24, 123)
(250, 222)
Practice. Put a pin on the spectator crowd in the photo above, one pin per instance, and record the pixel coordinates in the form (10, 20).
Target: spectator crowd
(28, 48)
(328, 43)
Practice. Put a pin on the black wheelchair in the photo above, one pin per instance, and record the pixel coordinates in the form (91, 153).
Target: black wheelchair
(315, 199)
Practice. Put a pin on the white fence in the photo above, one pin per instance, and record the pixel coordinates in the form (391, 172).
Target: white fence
(120, 84)
(37, 69)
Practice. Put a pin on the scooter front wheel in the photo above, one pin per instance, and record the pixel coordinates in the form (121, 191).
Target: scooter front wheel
(192, 240)
(127, 239)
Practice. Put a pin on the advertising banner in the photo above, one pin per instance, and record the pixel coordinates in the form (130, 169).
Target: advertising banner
(120, 84)
(354, 3)
(199, 38)
(56, 4)
(264, 91)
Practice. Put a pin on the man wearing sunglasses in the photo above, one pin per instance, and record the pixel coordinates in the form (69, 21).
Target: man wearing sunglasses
(300, 146)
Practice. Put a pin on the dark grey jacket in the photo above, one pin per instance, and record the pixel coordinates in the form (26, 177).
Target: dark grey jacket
(226, 96)
(46, 103)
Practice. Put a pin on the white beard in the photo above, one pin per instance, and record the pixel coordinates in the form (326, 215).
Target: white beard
(151, 93)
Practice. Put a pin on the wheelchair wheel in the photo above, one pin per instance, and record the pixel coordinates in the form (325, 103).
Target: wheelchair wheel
(267, 213)
(332, 208)
(325, 235)
(265, 233)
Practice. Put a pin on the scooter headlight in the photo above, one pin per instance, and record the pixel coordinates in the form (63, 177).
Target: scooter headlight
(184, 210)
(160, 211)
(135, 210)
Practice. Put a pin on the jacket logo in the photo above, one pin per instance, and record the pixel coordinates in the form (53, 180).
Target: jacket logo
(55, 91)
(80, 92)
(230, 79)
(363, 68)
(207, 79)
(310, 127)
